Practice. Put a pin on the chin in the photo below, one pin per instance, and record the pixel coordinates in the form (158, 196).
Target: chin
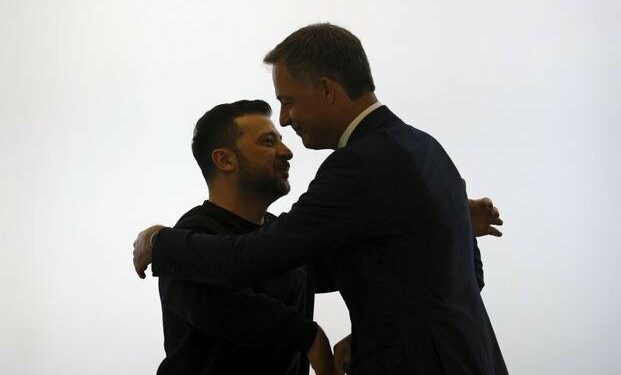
(310, 145)
(282, 191)
(284, 188)
(314, 145)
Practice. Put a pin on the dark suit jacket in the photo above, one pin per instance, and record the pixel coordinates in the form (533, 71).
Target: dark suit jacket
(390, 210)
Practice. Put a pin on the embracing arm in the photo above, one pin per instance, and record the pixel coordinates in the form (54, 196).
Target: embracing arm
(321, 276)
(325, 218)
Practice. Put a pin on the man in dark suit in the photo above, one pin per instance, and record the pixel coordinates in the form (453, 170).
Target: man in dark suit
(388, 207)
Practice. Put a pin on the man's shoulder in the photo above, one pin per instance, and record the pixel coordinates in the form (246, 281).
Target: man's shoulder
(395, 147)
(380, 144)
(198, 218)
(269, 217)
(392, 140)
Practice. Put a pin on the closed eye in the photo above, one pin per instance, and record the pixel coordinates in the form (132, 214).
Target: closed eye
(268, 140)
(285, 101)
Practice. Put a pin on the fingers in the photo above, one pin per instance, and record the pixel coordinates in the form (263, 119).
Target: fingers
(143, 249)
(494, 217)
(497, 221)
(342, 356)
(141, 273)
(140, 265)
(494, 232)
(140, 268)
(495, 213)
(339, 364)
(339, 361)
(486, 202)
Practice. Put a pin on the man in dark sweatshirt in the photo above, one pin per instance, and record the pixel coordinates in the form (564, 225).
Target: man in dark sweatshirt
(266, 328)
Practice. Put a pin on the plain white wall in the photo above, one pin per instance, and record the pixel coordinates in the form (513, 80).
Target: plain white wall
(98, 103)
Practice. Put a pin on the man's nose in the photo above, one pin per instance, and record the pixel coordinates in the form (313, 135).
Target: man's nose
(285, 119)
(284, 152)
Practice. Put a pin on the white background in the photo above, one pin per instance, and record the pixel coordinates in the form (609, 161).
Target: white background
(99, 100)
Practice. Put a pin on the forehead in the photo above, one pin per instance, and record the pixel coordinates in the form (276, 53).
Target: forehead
(255, 125)
(284, 83)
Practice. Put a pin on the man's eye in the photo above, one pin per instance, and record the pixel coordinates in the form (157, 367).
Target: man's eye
(268, 141)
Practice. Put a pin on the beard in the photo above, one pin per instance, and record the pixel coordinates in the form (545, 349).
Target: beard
(256, 182)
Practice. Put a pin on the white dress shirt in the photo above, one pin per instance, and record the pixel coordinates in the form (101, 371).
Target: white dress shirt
(352, 126)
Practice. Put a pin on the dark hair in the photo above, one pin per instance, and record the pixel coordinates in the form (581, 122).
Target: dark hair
(327, 50)
(217, 128)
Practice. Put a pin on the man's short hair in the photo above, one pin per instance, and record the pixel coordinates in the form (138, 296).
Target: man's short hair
(217, 128)
(325, 50)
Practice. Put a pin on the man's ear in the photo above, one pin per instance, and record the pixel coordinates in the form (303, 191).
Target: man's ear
(329, 89)
(224, 160)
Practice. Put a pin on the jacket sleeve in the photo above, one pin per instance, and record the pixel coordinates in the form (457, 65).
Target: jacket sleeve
(322, 279)
(325, 218)
(239, 316)
(478, 264)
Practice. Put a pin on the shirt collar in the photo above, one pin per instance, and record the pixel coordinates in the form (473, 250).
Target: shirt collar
(352, 126)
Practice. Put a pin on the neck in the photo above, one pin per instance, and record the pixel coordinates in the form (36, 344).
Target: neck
(362, 103)
(351, 109)
(242, 204)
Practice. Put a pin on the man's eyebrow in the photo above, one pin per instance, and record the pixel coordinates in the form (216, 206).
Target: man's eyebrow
(270, 133)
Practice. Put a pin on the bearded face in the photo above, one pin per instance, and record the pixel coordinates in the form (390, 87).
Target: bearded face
(263, 159)
(270, 180)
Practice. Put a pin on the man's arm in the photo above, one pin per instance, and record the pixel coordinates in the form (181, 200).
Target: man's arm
(239, 316)
(327, 217)
(321, 277)
(483, 215)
